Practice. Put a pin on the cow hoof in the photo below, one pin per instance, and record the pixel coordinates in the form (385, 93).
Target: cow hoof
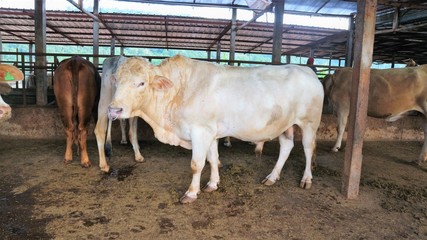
(86, 165)
(139, 159)
(305, 185)
(209, 188)
(335, 149)
(105, 169)
(268, 182)
(123, 142)
(67, 161)
(419, 162)
(187, 199)
(227, 144)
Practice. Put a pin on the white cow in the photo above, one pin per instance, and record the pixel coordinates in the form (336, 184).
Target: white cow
(5, 110)
(103, 124)
(193, 103)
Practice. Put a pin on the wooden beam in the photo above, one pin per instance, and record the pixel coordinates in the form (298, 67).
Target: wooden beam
(278, 31)
(316, 43)
(40, 41)
(233, 37)
(223, 32)
(363, 49)
(96, 33)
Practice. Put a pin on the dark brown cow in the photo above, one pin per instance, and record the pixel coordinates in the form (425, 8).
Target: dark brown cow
(77, 88)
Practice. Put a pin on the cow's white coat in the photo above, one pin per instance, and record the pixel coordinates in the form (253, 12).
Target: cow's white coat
(193, 103)
(108, 88)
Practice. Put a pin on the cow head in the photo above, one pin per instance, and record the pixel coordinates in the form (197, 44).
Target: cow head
(5, 110)
(137, 84)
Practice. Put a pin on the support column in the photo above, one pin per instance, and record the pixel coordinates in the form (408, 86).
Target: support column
(95, 33)
(113, 46)
(233, 37)
(278, 31)
(363, 49)
(40, 66)
(218, 52)
(350, 37)
(1, 47)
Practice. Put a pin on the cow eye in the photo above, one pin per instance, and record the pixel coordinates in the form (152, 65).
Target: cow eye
(141, 84)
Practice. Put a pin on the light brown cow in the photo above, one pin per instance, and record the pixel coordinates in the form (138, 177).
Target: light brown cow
(393, 93)
(193, 103)
(76, 87)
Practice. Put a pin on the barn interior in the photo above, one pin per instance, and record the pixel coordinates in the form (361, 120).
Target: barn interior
(400, 34)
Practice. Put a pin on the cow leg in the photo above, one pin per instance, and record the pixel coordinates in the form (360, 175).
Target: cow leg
(286, 141)
(227, 142)
(100, 133)
(69, 129)
(213, 159)
(133, 137)
(342, 117)
(258, 149)
(84, 158)
(423, 155)
(123, 128)
(309, 144)
(201, 141)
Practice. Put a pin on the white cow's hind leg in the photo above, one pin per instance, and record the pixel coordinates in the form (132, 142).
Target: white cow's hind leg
(133, 137)
(342, 117)
(309, 143)
(201, 142)
(227, 142)
(286, 141)
(123, 128)
(258, 149)
(213, 159)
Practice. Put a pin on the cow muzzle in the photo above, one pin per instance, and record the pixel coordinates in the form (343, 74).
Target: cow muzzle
(5, 112)
(114, 113)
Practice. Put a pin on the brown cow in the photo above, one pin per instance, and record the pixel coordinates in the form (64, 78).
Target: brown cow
(393, 93)
(77, 88)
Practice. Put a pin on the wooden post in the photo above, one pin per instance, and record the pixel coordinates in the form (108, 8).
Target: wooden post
(279, 6)
(113, 46)
(233, 37)
(363, 48)
(95, 33)
(40, 66)
(349, 50)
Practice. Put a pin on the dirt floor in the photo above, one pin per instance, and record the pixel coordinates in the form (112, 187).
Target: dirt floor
(41, 198)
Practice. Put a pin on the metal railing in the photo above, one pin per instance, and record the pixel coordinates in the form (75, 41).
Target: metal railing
(24, 92)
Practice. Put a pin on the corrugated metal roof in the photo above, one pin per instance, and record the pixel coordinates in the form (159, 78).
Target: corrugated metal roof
(174, 32)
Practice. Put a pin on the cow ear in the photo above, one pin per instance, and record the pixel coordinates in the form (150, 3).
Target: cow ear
(161, 83)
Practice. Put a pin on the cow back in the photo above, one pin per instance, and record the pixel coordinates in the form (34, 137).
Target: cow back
(77, 89)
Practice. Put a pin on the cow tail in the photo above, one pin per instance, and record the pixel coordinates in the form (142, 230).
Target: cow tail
(75, 69)
(108, 147)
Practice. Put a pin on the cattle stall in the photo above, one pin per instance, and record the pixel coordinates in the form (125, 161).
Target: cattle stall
(43, 198)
